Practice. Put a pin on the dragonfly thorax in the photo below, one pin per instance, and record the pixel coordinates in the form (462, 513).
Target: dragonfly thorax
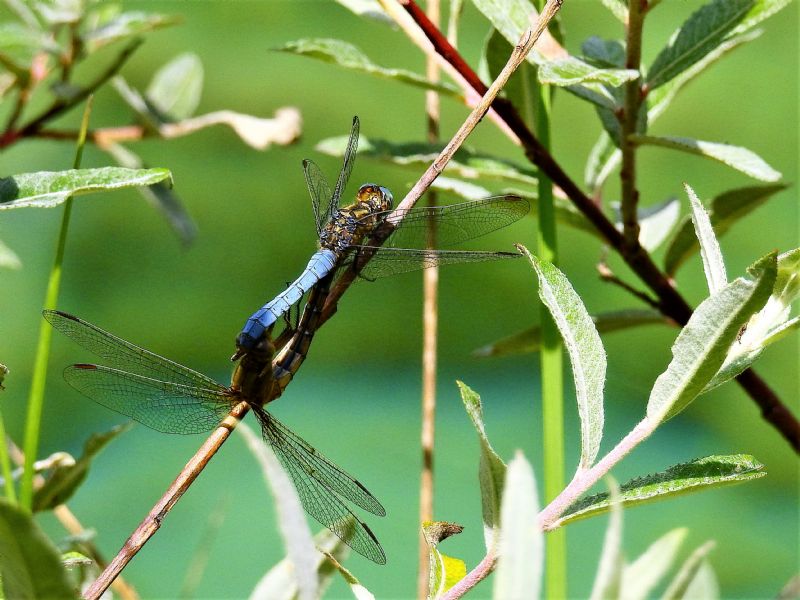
(350, 224)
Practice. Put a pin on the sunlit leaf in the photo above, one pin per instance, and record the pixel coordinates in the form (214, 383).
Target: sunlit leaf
(348, 56)
(573, 71)
(175, 88)
(280, 582)
(73, 560)
(46, 189)
(702, 32)
(290, 516)
(59, 12)
(694, 476)
(656, 221)
(491, 470)
(160, 195)
(724, 210)
(760, 10)
(702, 345)
(678, 587)
(64, 481)
(370, 9)
(704, 583)
(736, 157)
(710, 252)
(466, 163)
(124, 26)
(768, 325)
(530, 340)
(520, 551)
(619, 8)
(9, 258)
(359, 591)
(642, 575)
(609, 569)
(31, 565)
(444, 571)
(19, 44)
(585, 349)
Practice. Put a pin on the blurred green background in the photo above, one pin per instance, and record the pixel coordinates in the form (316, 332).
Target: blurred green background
(127, 272)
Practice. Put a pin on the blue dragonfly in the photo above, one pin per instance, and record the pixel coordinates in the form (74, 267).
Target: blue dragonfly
(344, 236)
(171, 398)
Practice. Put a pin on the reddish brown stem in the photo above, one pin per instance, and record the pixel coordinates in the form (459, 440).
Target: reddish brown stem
(670, 302)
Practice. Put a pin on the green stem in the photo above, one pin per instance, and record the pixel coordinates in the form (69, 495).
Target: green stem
(5, 464)
(36, 398)
(551, 361)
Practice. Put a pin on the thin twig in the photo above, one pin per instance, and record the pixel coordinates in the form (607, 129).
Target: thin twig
(153, 520)
(670, 303)
(606, 274)
(430, 323)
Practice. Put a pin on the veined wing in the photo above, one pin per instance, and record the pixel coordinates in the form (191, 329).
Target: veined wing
(347, 164)
(321, 195)
(456, 223)
(319, 484)
(160, 405)
(391, 261)
(124, 355)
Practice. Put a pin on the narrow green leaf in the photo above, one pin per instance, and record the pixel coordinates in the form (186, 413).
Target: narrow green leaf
(280, 582)
(175, 88)
(529, 340)
(724, 210)
(765, 327)
(521, 548)
(348, 56)
(491, 470)
(761, 10)
(46, 189)
(31, 565)
(444, 571)
(640, 577)
(59, 12)
(74, 560)
(290, 516)
(19, 44)
(660, 98)
(702, 32)
(603, 159)
(519, 88)
(702, 345)
(604, 53)
(466, 163)
(710, 252)
(694, 476)
(9, 258)
(64, 481)
(159, 195)
(573, 71)
(125, 26)
(679, 585)
(609, 569)
(586, 352)
(736, 157)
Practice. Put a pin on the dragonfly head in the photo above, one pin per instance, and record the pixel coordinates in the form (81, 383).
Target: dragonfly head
(376, 197)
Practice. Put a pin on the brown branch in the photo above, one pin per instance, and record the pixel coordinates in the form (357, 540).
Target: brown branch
(153, 520)
(670, 302)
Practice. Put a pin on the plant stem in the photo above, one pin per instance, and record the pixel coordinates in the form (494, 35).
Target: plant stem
(630, 117)
(430, 324)
(33, 421)
(5, 464)
(551, 363)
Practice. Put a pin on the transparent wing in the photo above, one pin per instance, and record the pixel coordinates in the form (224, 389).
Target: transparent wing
(347, 164)
(391, 261)
(160, 405)
(319, 484)
(124, 355)
(456, 223)
(321, 195)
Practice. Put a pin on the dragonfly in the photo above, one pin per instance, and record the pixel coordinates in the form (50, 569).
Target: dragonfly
(345, 236)
(172, 398)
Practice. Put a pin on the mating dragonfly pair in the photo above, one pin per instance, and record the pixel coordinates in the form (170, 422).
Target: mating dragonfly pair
(172, 398)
